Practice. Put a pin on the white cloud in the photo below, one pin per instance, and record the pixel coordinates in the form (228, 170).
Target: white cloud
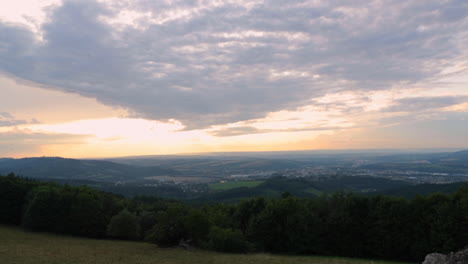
(29, 13)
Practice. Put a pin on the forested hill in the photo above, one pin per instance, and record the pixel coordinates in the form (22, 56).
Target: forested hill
(302, 187)
(339, 224)
(61, 168)
(421, 189)
(452, 163)
(459, 156)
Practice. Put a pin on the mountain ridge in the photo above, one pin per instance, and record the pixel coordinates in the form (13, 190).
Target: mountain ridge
(64, 168)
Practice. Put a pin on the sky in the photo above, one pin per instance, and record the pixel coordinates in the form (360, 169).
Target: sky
(102, 78)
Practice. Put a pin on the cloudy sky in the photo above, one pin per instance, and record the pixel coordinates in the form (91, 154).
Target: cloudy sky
(102, 78)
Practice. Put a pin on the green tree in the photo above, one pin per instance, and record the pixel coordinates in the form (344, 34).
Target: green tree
(389, 234)
(170, 227)
(227, 240)
(247, 210)
(45, 210)
(13, 193)
(124, 225)
(460, 212)
(282, 226)
(87, 216)
(197, 226)
(147, 220)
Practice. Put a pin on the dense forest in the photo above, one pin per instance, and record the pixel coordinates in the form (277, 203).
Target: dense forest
(341, 224)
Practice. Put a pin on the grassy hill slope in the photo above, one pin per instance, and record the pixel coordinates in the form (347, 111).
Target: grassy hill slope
(17, 246)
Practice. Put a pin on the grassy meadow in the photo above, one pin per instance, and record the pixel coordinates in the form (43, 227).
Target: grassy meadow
(231, 185)
(21, 247)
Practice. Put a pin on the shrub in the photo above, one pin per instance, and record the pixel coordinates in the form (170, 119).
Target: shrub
(227, 240)
(45, 210)
(147, 220)
(169, 229)
(124, 225)
(13, 193)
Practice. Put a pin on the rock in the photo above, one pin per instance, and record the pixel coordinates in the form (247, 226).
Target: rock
(460, 257)
(435, 258)
(185, 244)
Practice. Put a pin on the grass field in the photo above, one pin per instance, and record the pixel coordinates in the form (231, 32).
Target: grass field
(20, 247)
(231, 185)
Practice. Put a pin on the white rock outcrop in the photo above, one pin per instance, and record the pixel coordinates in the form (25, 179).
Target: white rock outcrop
(460, 257)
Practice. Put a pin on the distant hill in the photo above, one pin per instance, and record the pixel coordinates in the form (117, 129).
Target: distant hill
(455, 157)
(367, 186)
(302, 187)
(451, 163)
(214, 166)
(421, 189)
(61, 168)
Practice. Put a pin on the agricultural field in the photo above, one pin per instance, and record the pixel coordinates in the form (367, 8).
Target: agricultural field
(222, 186)
(21, 247)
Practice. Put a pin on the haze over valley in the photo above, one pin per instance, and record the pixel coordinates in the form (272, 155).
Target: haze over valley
(196, 176)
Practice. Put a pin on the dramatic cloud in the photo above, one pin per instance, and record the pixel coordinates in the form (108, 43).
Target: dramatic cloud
(416, 104)
(247, 130)
(208, 63)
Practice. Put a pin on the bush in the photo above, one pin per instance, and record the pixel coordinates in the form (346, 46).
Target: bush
(227, 240)
(147, 220)
(45, 210)
(69, 210)
(13, 193)
(169, 228)
(124, 225)
(197, 226)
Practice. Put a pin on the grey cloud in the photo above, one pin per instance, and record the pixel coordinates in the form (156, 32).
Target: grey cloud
(224, 54)
(6, 115)
(244, 130)
(455, 11)
(7, 119)
(417, 104)
(408, 119)
(342, 105)
(235, 131)
(7, 123)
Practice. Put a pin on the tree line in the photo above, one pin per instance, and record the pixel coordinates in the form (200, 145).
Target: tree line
(339, 224)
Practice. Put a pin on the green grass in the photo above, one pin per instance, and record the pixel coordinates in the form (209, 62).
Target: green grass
(20, 247)
(231, 185)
